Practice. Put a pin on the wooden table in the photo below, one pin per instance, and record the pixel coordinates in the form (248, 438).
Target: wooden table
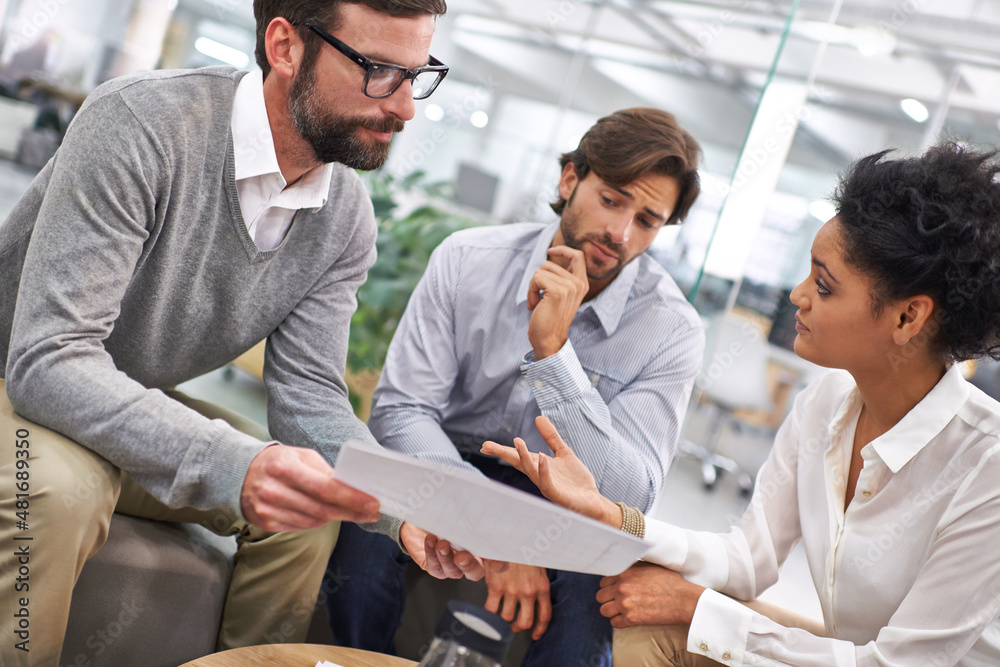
(297, 655)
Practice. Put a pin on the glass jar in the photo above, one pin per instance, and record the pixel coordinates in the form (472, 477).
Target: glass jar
(468, 636)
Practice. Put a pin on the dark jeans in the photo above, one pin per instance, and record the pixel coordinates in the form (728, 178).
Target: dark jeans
(367, 573)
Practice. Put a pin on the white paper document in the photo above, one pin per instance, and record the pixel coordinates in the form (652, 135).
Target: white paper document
(487, 518)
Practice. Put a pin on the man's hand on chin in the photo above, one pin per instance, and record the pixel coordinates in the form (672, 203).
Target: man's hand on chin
(442, 560)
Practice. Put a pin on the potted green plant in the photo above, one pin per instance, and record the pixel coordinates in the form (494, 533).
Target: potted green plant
(413, 217)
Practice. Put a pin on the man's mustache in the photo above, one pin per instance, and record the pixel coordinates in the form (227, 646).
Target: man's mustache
(608, 244)
(382, 124)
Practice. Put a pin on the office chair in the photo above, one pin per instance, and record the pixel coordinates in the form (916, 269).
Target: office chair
(733, 377)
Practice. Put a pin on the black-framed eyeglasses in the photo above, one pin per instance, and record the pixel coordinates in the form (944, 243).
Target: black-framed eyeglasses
(382, 80)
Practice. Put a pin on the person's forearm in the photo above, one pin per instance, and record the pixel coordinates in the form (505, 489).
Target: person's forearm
(181, 457)
(618, 469)
(626, 466)
(609, 513)
(408, 429)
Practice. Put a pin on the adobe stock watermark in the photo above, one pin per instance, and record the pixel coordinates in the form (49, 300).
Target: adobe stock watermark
(103, 638)
(894, 534)
(295, 620)
(85, 488)
(544, 538)
(562, 12)
(536, 205)
(712, 30)
(418, 496)
(30, 27)
(954, 650)
(225, 8)
(960, 297)
(919, 343)
(901, 14)
(253, 145)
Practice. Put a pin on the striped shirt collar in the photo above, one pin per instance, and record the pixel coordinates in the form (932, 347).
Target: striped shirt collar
(608, 306)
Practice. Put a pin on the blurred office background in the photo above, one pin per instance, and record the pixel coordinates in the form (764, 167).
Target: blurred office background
(782, 94)
(811, 83)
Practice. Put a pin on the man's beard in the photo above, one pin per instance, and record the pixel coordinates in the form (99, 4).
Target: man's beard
(335, 138)
(568, 224)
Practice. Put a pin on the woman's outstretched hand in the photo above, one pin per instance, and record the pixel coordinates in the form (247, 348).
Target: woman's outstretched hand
(562, 478)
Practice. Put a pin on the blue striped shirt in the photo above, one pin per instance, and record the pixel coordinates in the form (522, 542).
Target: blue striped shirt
(460, 369)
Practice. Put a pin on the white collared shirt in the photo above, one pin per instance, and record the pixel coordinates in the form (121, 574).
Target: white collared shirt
(910, 575)
(267, 202)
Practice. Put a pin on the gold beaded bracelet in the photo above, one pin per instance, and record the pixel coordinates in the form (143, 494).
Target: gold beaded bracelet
(633, 521)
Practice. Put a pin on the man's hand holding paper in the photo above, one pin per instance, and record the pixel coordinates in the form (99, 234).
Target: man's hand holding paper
(488, 519)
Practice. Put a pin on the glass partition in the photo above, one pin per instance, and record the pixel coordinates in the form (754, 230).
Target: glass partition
(897, 76)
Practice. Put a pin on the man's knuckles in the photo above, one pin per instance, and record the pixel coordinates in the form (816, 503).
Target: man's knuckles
(282, 463)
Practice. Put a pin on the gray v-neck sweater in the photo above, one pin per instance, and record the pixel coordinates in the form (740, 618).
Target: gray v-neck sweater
(127, 268)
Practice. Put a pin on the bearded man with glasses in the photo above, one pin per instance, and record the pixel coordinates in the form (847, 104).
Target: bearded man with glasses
(186, 216)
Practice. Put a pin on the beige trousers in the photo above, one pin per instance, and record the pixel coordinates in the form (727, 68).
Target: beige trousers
(56, 501)
(655, 646)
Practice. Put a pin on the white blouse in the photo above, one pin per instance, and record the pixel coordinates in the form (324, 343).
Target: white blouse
(909, 575)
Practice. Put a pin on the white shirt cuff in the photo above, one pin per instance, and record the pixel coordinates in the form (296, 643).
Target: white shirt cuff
(719, 628)
(671, 544)
(700, 556)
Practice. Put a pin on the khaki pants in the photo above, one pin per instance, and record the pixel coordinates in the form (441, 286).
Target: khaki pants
(655, 646)
(72, 493)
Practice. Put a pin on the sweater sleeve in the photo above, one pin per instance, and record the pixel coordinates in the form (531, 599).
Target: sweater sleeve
(100, 207)
(306, 355)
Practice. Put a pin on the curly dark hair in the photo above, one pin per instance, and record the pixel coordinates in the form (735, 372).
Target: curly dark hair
(930, 225)
(628, 143)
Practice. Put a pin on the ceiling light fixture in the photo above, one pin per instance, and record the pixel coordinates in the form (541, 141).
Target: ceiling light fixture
(219, 51)
(870, 40)
(479, 119)
(873, 41)
(914, 109)
(434, 112)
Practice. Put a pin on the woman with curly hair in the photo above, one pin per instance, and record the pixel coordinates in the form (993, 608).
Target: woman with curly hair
(887, 470)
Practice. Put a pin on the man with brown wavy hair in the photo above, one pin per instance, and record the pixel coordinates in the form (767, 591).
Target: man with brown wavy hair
(162, 246)
(572, 320)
